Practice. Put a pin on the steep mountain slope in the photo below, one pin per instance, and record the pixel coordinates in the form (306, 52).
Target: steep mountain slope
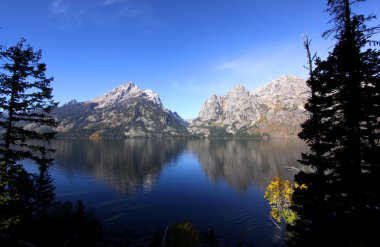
(126, 111)
(234, 113)
(275, 109)
(283, 100)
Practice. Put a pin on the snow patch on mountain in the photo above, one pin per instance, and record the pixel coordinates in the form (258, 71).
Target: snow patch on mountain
(152, 96)
(124, 92)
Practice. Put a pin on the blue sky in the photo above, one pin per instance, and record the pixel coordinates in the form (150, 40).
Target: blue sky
(183, 50)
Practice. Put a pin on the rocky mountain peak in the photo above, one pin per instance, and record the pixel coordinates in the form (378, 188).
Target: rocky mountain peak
(72, 102)
(239, 88)
(238, 96)
(125, 111)
(211, 109)
(276, 107)
(284, 85)
(237, 91)
(124, 92)
(152, 96)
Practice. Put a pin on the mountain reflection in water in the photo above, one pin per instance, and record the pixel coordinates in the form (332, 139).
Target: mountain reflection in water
(123, 164)
(150, 183)
(243, 163)
(129, 164)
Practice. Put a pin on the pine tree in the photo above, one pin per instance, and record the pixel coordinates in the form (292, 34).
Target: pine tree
(341, 206)
(44, 194)
(25, 105)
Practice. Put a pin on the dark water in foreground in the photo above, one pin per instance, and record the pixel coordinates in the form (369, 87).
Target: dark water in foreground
(146, 184)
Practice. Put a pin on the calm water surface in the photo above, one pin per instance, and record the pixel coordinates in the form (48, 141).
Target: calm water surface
(146, 184)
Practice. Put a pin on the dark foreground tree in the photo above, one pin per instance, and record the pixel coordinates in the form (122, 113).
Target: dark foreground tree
(25, 106)
(29, 216)
(341, 206)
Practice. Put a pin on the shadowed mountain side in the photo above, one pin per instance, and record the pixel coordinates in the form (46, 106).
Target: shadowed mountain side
(243, 163)
(126, 165)
(126, 111)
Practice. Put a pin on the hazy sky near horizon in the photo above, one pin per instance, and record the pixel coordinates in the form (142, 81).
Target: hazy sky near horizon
(183, 50)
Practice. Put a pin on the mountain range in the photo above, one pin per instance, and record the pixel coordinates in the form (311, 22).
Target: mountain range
(127, 111)
(276, 109)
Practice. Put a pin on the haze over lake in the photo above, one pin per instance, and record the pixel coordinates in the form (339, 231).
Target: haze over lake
(146, 184)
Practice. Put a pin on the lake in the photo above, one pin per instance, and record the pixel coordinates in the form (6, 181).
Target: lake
(146, 184)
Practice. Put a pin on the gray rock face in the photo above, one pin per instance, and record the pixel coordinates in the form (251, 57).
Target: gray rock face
(211, 110)
(276, 109)
(126, 111)
(284, 99)
(234, 112)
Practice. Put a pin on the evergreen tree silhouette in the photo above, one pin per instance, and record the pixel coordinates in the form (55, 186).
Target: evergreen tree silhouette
(341, 206)
(44, 190)
(25, 106)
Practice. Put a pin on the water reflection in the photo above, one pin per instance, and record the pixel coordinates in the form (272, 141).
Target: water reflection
(127, 165)
(243, 163)
(183, 180)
